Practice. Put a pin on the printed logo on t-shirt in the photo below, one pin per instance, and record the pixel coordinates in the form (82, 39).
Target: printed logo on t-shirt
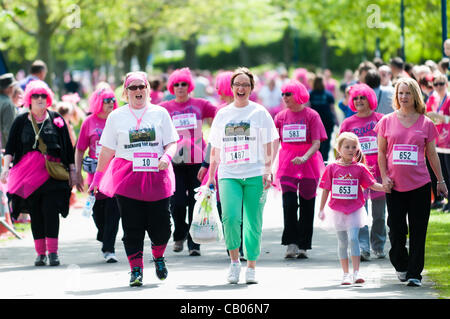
(239, 128)
(142, 135)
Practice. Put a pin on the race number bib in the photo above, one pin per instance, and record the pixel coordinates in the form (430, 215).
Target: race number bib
(145, 162)
(345, 188)
(237, 152)
(185, 121)
(405, 154)
(368, 144)
(294, 133)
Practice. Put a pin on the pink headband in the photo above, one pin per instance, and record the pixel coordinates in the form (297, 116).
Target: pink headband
(141, 76)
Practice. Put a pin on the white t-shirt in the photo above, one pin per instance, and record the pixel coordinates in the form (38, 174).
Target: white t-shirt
(122, 134)
(240, 133)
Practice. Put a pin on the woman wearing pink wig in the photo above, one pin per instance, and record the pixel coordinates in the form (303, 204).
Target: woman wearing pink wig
(134, 166)
(105, 211)
(299, 166)
(30, 187)
(187, 114)
(364, 101)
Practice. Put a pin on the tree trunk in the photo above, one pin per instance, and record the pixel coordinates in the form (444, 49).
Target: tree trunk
(143, 50)
(287, 47)
(127, 54)
(323, 50)
(190, 52)
(244, 58)
(44, 39)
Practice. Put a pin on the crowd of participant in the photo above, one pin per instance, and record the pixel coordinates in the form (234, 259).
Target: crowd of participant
(146, 145)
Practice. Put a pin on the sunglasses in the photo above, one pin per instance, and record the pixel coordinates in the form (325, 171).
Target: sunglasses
(439, 83)
(362, 98)
(110, 99)
(286, 94)
(135, 87)
(36, 96)
(183, 84)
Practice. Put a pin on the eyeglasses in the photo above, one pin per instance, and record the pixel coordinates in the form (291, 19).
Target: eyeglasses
(286, 94)
(135, 87)
(362, 98)
(439, 83)
(183, 84)
(110, 100)
(244, 85)
(36, 96)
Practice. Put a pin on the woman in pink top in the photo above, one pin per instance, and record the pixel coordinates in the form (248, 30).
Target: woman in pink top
(187, 114)
(363, 100)
(438, 108)
(299, 166)
(405, 137)
(105, 211)
(345, 212)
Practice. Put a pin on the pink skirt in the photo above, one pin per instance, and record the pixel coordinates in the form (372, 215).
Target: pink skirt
(119, 179)
(313, 168)
(28, 175)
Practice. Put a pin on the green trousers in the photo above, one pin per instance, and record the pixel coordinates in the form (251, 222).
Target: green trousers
(243, 202)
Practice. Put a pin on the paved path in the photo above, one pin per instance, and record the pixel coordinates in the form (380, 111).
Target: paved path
(84, 275)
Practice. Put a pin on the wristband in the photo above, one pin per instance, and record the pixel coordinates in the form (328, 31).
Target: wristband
(96, 181)
(438, 182)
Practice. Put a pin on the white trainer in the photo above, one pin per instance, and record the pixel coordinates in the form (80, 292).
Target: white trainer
(291, 251)
(346, 280)
(234, 272)
(250, 276)
(357, 279)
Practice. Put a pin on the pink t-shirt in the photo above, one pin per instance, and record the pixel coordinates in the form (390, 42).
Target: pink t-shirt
(443, 108)
(90, 133)
(298, 128)
(346, 183)
(405, 154)
(188, 120)
(363, 128)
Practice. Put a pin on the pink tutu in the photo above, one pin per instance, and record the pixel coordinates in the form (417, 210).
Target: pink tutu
(119, 179)
(27, 175)
(340, 221)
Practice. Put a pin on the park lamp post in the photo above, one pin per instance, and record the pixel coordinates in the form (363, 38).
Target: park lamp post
(402, 26)
(444, 23)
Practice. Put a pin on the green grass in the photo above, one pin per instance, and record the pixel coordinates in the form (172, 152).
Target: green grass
(437, 256)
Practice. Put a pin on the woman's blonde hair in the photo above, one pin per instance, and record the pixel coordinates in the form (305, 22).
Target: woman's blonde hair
(349, 136)
(414, 88)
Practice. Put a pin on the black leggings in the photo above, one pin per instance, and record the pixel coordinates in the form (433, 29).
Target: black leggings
(412, 206)
(106, 217)
(139, 217)
(186, 181)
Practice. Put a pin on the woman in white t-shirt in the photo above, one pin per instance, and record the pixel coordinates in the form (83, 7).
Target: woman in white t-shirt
(142, 139)
(243, 138)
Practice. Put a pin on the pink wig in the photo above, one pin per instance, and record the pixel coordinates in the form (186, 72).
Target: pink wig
(298, 90)
(362, 89)
(223, 83)
(37, 87)
(96, 100)
(181, 75)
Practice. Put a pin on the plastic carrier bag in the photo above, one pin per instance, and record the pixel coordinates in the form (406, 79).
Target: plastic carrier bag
(206, 226)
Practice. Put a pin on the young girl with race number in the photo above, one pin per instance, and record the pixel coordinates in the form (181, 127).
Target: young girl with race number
(345, 212)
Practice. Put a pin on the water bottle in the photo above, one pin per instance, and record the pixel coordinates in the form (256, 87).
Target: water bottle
(87, 211)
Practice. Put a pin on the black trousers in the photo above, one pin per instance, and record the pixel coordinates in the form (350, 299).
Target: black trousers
(186, 181)
(408, 212)
(140, 217)
(298, 225)
(45, 205)
(445, 161)
(106, 217)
